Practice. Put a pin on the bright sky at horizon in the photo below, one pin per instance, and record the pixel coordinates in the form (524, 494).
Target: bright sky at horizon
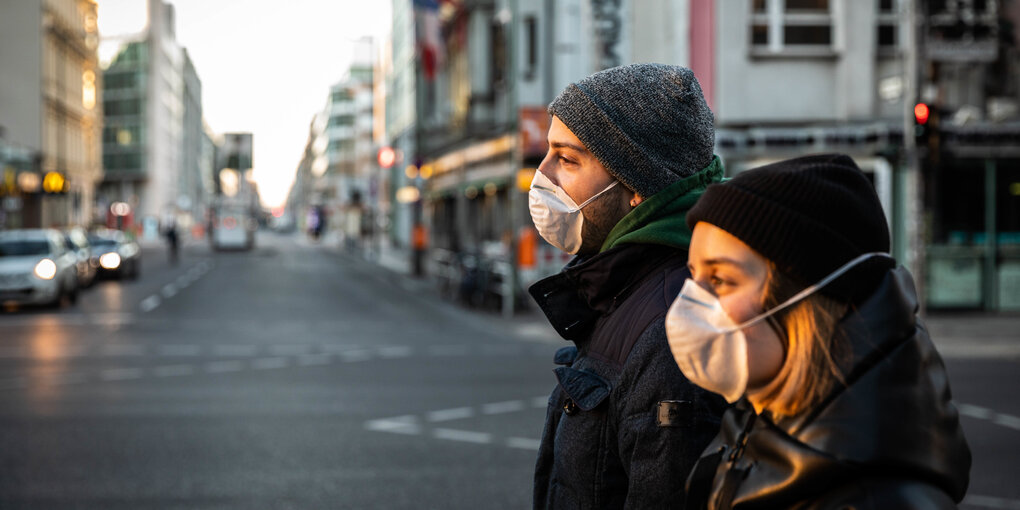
(265, 67)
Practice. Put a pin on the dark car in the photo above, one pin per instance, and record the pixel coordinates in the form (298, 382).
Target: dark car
(115, 254)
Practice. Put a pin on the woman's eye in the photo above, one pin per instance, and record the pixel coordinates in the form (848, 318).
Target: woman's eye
(716, 282)
(566, 161)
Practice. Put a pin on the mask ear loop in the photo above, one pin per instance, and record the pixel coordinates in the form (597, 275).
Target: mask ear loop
(810, 289)
(586, 202)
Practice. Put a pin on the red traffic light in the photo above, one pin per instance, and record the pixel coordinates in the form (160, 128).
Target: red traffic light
(921, 113)
(386, 157)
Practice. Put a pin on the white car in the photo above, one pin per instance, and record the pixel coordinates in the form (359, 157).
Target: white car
(36, 267)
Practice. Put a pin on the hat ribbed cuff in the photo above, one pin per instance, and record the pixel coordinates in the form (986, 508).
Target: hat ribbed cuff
(797, 244)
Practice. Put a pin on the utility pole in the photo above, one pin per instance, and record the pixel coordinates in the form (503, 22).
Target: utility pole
(914, 193)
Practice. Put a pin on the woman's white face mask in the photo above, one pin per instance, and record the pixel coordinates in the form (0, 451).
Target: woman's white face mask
(556, 216)
(709, 348)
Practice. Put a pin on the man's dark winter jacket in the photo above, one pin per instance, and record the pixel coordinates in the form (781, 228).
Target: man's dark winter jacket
(890, 439)
(624, 426)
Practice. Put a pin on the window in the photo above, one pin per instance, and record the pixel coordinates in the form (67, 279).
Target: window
(791, 27)
(531, 36)
(887, 39)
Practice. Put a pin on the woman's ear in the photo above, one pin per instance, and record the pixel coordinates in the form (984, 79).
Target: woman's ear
(636, 200)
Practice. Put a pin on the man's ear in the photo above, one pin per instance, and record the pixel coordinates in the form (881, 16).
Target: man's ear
(636, 200)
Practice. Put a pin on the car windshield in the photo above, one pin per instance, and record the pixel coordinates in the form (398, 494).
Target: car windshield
(23, 248)
(101, 241)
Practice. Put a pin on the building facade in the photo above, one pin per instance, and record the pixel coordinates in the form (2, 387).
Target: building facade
(154, 129)
(49, 117)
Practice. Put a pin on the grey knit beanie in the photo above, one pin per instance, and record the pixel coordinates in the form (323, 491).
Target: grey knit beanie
(648, 124)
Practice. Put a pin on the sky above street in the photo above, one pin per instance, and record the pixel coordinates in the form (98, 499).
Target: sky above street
(266, 66)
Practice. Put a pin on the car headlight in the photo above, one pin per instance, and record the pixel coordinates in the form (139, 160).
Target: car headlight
(109, 260)
(46, 269)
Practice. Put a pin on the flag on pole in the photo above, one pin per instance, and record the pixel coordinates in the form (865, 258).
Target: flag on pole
(427, 35)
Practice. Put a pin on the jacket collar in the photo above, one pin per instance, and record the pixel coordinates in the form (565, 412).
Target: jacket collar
(574, 299)
(895, 412)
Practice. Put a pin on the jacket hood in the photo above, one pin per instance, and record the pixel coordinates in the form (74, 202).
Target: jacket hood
(894, 419)
(661, 218)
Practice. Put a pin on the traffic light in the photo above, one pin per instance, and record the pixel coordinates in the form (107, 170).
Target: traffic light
(921, 127)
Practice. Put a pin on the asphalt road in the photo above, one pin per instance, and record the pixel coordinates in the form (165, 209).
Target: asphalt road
(296, 377)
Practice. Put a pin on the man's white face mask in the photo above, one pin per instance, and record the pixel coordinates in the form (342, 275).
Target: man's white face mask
(556, 216)
(711, 349)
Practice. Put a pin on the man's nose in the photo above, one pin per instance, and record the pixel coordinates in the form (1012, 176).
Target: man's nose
(548, 167)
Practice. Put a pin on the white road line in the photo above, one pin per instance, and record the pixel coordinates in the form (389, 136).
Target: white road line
(466, 436)
(314, 359)
(123, 350)
(235, 350)
(183, 281)
(179, 350)
(456, 413)
(448, 350)
(509, 406)
(356, 355)
(990, 502)
(289, 349)
(983, 413)
(220, 367)
(269, 363)
(169, 290)
(542, 402)
(150, 303)
(395, 351)
(120, 374)
(523, 443)
(173, 370)
(1007, 421)
(398, 425)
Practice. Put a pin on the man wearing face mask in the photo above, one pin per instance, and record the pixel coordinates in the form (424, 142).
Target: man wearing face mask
(630, 151)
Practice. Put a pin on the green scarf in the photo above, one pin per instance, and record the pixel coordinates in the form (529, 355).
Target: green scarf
(661, 218)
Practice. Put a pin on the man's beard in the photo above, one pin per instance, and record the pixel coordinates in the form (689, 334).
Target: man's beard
(600, 217)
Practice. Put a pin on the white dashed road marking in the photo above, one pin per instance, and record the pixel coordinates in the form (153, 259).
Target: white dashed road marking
(398, 425)
(169, 290)
(411, 424)
(463, 435)
(510, 406)
(150, 303)
(450, 414)
(523, 443)
(990, 502)
(983, 413)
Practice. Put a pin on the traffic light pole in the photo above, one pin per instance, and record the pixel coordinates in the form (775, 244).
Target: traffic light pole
(914, 192)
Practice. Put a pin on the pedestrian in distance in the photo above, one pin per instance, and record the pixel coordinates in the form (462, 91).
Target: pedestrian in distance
(630, 151)
(170, 231)
(797, 312)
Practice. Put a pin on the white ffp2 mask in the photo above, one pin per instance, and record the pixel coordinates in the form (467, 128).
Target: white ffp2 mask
(556, 216)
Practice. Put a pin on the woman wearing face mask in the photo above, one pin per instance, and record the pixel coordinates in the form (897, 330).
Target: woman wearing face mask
(796, 312)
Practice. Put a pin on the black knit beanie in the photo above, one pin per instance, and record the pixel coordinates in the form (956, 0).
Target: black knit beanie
(808, 215)
(648, 124)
